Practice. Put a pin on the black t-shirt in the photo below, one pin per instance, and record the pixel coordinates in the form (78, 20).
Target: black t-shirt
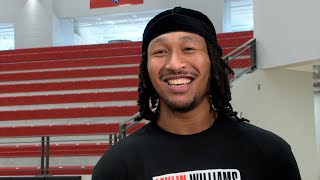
(229, 150)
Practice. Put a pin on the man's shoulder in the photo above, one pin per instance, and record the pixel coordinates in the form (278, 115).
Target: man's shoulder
(121, 153)
(266, 140)
(276, 152)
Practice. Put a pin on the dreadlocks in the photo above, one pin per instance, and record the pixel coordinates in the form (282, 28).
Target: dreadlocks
(147, 93)
(219, 89)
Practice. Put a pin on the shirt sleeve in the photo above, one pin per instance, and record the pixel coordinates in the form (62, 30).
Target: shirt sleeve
(278, 161)
(289, 166)
(110, 167)
(284, 165)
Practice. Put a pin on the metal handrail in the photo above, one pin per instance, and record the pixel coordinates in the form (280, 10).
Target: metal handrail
(249, 44)
(237, 49)
(122, 127)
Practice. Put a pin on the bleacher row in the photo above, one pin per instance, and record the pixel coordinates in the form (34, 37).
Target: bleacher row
(73, 91)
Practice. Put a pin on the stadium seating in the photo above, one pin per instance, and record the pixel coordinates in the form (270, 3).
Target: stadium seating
(73, 91)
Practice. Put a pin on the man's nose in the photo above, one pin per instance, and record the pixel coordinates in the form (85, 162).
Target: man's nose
(176, 61)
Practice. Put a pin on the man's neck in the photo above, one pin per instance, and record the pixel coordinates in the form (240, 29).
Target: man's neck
(186, 123)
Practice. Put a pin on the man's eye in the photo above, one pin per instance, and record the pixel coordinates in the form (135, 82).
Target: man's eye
(159, 52)
(189, 49)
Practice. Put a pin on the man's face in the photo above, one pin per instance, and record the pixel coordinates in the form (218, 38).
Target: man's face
(179, 69)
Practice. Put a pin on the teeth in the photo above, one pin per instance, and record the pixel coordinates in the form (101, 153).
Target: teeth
(180, 81)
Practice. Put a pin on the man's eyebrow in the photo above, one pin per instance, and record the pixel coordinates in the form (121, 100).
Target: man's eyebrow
(189, 38)
(159, 39)
(184, 38)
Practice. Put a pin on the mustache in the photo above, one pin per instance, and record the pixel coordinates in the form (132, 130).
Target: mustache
(170, 72)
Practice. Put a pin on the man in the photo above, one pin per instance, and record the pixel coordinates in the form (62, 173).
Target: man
(193, 133)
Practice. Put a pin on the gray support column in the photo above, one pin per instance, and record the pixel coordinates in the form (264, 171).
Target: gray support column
(316, 88)
(34, 24)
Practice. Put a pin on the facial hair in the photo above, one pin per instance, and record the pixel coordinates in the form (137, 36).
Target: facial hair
(187, 106)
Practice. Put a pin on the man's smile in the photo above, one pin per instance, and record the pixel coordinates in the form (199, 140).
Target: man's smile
(179, 81)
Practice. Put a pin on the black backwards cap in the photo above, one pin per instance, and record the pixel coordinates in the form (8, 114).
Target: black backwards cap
(180, 19)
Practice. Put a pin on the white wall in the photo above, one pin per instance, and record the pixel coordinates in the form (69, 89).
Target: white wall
(37, 26)
(287, 31)
(283, 105)
(9, 9)
(79, 8)
(34, 24)
(63, 32)
(213, 9)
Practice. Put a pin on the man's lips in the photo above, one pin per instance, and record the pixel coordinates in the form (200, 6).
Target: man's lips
(177, 76)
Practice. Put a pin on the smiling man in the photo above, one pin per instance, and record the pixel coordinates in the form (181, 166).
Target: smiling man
(193, 134)
(179, 70)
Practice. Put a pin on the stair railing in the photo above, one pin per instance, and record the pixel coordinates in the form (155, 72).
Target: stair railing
(249, 45)
(124, 126)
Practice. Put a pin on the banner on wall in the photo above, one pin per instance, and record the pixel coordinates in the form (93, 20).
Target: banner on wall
(111, 3)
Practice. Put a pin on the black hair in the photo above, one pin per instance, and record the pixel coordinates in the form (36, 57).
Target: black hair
(219, 88)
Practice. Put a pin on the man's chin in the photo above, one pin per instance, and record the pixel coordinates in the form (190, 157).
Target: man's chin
(185, 107)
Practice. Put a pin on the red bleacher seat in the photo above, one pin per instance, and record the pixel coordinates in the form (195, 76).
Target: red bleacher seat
(68, 98)
(53, 170)
(70, 149)
(63, 129)
(68, 85)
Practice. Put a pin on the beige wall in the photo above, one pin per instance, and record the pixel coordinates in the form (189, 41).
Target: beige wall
(283, 105)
